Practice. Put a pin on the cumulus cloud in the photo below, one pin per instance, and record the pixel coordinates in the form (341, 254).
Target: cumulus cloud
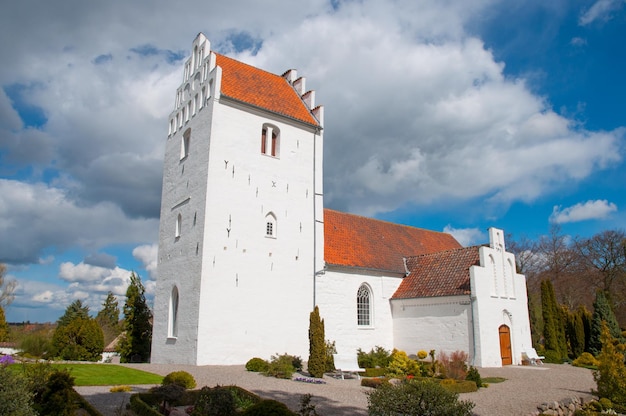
(466, 236)
(147, 255)
(601, 10)
(590, 210)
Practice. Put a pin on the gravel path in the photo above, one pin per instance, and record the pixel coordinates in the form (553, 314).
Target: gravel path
(524, 389)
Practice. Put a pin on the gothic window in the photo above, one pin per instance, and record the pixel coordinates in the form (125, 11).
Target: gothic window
(172, 324)
(270, 140)
(179, 224)
(184, 144)
(363, 306)
(270, 225)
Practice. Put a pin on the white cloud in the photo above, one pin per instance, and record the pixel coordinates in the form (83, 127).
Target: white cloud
(582, 211)
(147, 254)
(600, 10)
(465, 236)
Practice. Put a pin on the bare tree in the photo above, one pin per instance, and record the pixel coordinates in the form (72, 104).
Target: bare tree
(7, 288)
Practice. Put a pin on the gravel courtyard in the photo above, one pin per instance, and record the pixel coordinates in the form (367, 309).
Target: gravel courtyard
(524, 389)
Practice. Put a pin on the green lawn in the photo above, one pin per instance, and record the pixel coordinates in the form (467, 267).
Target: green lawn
(108, 375)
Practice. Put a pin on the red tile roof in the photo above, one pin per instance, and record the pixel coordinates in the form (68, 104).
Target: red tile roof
(262, 89)
(439, 274)
(355, 241)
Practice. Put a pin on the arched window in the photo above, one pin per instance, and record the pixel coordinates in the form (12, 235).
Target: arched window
(270, 225)
(179, 225)
(172, 324)
(363, 306)
(270, 140)
(184, 144)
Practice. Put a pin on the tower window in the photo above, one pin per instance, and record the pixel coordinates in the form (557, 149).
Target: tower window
(184, 144)
(172, 324)
(270, 140)
(363, 306)
(270, 225)
(179, 224)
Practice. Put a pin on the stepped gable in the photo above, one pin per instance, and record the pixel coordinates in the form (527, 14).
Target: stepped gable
(439, 274)
(262, 89)
(355, 241)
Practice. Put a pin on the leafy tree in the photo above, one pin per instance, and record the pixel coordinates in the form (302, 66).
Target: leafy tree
(553, 331)
(611, 375)
(80, 340)
(75, 310)
(602, 312)
(108, 318)
(317, 345)
(4, 327)
(136, 343)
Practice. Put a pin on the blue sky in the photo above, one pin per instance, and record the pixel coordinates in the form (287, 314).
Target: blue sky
(453, 116)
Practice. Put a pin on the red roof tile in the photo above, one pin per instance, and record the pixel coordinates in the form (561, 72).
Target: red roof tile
(355, 241)
(262, 89)
(439, 274)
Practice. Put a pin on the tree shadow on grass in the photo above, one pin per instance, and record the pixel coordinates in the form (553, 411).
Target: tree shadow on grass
(323, 405)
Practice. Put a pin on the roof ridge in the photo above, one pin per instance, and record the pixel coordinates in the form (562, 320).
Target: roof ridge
(251, 66)
(447, 251)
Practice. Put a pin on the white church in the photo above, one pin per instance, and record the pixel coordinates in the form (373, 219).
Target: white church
(247, 249)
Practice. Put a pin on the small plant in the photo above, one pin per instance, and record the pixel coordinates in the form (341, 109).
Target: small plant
(268, 407)
(120, 389)
(401, 365)
(585, 360)
(306, 407)
(217, 401)
(416, 398)
(168, 394)
(377, 357)
(257, 365)
(182, 378)
(281, 366)
(421, 354)
(330, 359)
(474, 375)
(375, 382)
(453, 365)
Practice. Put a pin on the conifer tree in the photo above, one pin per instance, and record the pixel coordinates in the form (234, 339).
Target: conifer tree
(317, 345)
(75, 310)
(4, 327)
(602, 312)
(611, 374)
(575, 333)
(585, 317)
(108, 318)
(136, 343)
(549, 318)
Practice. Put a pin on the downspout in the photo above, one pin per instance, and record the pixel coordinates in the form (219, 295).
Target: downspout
(472, 306)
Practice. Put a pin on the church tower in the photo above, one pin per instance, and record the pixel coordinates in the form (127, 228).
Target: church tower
(241, 230)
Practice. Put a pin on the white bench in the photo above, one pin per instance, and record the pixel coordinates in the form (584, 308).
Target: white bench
(533, 357)
(347, 364)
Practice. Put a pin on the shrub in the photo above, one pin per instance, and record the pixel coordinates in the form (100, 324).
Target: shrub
(167, 395)
(375, 372)
(421, 354)
(182, 378)
(454, 365)
(377, 357)
(373, 382)
(401, 365)
(257, 365)
(455, 386)
(306, 407)
(611, 374)
(35, 345)
(330, 359)
(268, 408)
(120, 389)
(281, 366)
(416, 398)
(217, 401)
(552, 357)
(585, 360)
(79, 340)
(37, 375)
(15, 396)
(58, 397)
(474, 375)
(140, 406)
(317, 346)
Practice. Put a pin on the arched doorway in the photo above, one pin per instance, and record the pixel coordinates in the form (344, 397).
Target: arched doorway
(505, 345)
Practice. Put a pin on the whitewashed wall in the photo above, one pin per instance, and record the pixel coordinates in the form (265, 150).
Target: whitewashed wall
(439, 323)
(337, 300)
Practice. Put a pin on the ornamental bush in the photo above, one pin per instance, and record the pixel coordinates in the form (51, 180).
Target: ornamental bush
(474, 375)
(401, 365)
(611, 374)
(377, 357)
(585, 360)
(182, 378)
(257, 365)
(317, 345)
(281, 366)
(15, 396)
(217, 401)
(416, 397)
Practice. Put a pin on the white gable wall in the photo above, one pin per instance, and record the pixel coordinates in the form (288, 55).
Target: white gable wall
(435, 323)
(499, 298)
(337, 299)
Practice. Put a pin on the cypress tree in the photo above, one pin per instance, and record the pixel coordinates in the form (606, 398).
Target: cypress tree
(136, 344)
(585, 317)
(549, 317)
(575, 333)
(602, 312)
(317, 345)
